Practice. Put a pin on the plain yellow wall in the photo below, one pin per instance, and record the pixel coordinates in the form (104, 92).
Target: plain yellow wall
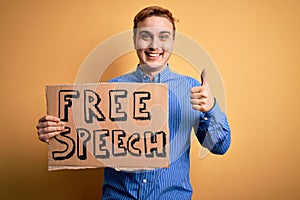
(255, 45)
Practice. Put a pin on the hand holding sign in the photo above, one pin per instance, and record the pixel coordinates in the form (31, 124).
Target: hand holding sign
(201, 97)
(48, 127)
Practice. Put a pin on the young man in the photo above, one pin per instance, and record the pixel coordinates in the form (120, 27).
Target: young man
(191, 105)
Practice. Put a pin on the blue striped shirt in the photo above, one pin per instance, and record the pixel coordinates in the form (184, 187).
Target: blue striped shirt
(212, 131)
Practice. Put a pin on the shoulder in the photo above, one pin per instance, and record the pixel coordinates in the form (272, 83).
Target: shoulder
(188, 79)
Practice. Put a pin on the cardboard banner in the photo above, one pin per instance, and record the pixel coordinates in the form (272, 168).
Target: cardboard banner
(122, 125)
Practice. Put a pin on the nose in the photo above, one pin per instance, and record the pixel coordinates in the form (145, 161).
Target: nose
(154, 44)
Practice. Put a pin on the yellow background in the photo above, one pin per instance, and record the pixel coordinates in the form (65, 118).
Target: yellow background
(255, 45)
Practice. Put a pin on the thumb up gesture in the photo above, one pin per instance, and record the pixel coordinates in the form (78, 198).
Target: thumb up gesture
(201, 97)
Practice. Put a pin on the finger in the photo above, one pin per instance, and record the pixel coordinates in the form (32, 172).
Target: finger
(201, 107)
(196, 89)
(49, 118)
(198, 95)
(195, 102)
(46, 137)
(47, 130)
(203, 77)
(50, 124)
(196, 107)
(199, 101)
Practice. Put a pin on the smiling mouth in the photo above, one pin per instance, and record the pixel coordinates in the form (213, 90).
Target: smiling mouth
(153, 55)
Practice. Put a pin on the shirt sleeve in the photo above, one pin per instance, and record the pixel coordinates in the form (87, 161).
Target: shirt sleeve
(213, 130)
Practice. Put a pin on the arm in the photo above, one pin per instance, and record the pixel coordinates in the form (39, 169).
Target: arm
(213, 131)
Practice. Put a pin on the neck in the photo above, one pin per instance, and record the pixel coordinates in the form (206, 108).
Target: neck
(151, 72)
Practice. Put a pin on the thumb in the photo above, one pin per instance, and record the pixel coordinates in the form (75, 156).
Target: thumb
(203, 77)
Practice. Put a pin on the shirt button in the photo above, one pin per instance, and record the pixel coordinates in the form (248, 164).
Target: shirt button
(205, 118)
(144, 180)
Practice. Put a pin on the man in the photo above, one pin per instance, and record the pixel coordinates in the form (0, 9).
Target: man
(191, 105)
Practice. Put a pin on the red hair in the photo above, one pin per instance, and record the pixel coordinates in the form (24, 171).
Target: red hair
(153, 11)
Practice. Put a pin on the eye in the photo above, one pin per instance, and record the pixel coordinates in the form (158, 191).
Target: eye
(145, 36)
(164, 37)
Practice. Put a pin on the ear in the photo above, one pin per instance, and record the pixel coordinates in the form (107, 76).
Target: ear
(134, 40)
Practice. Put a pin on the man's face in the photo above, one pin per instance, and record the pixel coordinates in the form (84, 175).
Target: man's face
(154, 42)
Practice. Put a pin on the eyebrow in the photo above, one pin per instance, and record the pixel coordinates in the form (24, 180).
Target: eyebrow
(165, 32)
(161, 32)
(147, 32)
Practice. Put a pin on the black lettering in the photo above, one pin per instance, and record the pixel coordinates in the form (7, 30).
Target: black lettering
(115, 112)
(65, 102)
(155, 142)
(134, 138)
(100, 142)
(69, 150)
(118, 148)
(91, 109)
(139, 107)
(84, 136)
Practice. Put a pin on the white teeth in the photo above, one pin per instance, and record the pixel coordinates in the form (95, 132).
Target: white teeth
(153, 54)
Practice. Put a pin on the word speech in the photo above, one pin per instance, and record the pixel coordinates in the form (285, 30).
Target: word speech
(122, 125)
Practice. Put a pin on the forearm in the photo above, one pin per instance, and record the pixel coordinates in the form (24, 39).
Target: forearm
(213, 131)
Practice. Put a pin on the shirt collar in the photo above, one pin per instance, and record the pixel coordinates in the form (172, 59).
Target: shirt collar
(158, 78)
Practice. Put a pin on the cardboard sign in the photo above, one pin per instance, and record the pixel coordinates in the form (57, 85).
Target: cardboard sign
(123, 125)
